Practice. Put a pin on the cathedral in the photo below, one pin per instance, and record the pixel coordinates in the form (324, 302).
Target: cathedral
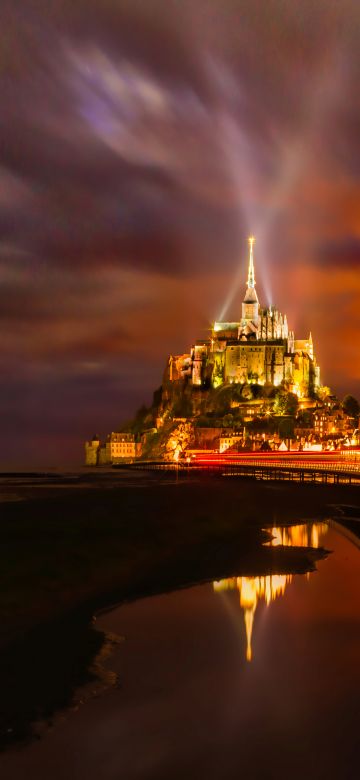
(258, 349)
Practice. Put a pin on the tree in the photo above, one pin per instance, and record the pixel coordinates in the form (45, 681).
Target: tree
(351, 406)
(286, 428)
(285, 403)
(280, 402)
(292, 403)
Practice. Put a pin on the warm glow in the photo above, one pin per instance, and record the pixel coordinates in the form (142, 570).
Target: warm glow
(271, 586)
(251, 590)
(305, 535)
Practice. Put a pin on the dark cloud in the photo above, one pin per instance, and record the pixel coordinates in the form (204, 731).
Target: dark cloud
(139, 144)
(345, 252)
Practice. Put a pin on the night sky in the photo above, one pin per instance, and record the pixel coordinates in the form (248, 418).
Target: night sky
(141, 142)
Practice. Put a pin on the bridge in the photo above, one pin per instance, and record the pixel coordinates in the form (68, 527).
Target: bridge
(329, 468)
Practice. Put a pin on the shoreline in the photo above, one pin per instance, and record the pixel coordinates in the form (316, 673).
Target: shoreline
(42, 672)
(69, 553)
(69, 546)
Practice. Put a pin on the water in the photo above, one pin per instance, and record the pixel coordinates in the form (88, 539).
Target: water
(243, 678)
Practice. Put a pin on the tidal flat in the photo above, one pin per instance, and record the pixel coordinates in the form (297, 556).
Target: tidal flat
(75, 543)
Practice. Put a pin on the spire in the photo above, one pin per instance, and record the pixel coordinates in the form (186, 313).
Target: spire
(250, 295)
(251, 272)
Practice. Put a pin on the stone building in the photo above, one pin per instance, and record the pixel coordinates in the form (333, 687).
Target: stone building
(230, 439)
(259, 348)
(331, 422)
(117, 448)
(122, 445)
(92, 451)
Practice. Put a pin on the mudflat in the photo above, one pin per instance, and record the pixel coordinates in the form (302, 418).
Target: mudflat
(72, 544)
(82, 540)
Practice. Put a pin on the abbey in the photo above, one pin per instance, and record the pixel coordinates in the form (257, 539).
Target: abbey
(258, 349)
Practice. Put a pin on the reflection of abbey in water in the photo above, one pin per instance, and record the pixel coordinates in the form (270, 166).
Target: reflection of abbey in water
(259, 348)
(271, 586)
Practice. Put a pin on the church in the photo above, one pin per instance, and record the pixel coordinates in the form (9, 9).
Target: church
(257, 349)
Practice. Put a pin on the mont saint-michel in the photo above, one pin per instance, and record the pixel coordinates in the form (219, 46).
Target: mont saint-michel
(251, 385)
(258, 349)
(179, 306)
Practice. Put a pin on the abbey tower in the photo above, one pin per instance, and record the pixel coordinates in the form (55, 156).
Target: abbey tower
(258, 349)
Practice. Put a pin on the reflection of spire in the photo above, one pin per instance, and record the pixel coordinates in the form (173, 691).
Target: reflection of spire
(248, 601)
(249, 622)
(251, 272)
(251, 590)
(271, 586)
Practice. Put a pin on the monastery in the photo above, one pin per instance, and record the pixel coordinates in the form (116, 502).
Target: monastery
(257, 349)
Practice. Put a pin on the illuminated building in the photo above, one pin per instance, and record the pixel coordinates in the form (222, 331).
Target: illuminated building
(230, 439)
(258, 348)
(334, 422)
(118, 447)
(122, 445)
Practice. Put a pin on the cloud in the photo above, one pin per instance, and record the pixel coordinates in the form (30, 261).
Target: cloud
(140, 144)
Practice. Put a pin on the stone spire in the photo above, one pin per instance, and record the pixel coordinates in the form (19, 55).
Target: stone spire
(250, 295)
(250, 306)
(251, 272)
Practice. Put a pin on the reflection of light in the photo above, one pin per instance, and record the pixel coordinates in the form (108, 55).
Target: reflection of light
(271, 586)
(251, 590)
(305, 535)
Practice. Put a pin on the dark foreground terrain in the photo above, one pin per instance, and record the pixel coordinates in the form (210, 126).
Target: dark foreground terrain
(73, 544)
